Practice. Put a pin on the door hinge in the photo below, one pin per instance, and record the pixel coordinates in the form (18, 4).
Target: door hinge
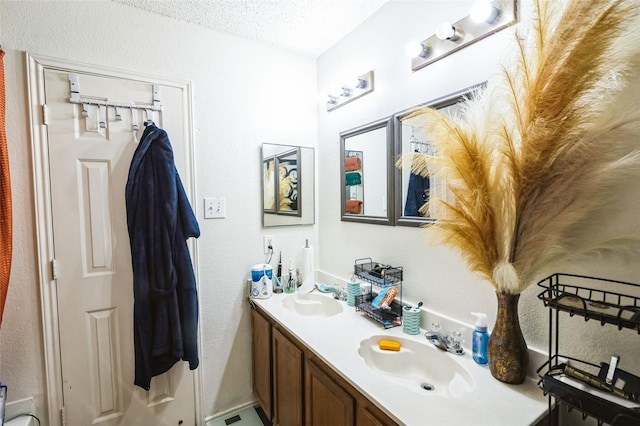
(54, 269)
(63, 417)
(45, 118)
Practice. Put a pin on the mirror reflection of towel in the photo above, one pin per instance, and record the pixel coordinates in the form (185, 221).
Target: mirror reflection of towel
(352, 163)
(352, 178)
(353, 206)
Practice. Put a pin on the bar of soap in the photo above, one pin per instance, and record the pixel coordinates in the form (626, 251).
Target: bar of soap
(389, 345)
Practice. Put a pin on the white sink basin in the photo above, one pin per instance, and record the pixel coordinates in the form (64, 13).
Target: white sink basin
(311, 304)
(417, 366)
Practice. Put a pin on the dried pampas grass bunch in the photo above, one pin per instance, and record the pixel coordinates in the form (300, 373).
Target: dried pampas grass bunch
(533, 162)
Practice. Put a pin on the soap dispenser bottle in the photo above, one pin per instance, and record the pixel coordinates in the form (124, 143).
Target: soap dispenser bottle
(480, 339)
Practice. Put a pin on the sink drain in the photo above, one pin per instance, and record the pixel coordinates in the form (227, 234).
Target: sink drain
(427, 386)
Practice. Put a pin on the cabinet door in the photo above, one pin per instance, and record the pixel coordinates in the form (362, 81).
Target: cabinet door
(326, 403)
(261, 360)
(287, 381)
(367, 416)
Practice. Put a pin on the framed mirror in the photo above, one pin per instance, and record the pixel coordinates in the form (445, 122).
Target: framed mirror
(412, 191)
(366, 173)
(288, 185)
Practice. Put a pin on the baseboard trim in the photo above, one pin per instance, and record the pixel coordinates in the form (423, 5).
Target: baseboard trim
(226, 413)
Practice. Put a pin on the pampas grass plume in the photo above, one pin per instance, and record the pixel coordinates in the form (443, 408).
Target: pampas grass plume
(533, 162)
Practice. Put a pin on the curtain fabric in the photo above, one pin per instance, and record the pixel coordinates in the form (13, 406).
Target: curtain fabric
(5, 198)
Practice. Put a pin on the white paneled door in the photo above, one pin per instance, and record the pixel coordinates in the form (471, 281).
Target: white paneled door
(88, 149)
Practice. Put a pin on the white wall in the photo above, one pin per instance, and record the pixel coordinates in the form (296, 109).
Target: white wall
(434, 274)
(242, 97)
(238, 104)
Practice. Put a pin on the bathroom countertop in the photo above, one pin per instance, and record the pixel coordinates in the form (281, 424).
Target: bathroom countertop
(336, 339)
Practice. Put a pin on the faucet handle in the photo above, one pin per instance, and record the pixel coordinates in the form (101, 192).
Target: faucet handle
(456, 340)
(435, 328)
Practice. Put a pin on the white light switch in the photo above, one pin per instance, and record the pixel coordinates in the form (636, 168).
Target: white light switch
(214, 208)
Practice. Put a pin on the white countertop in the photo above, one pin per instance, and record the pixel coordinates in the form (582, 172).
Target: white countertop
(336, 339)
(19, 421)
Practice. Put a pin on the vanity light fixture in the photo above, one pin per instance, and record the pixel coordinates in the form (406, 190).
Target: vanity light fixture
(446, 31)
(486, 17)
(361, 85)
(416, 48)
(484, 11)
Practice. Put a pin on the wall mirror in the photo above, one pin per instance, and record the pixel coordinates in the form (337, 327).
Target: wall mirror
(288, 186)
(412, 191)
(366, 178)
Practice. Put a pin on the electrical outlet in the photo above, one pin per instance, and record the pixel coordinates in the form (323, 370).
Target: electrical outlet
(268, 240)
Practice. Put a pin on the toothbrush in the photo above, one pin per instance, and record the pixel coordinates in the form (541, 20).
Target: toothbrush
(263, 280)
(279, 274)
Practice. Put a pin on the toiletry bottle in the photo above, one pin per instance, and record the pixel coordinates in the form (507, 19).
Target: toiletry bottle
(290, 284)
(480, 339)
(278, 287)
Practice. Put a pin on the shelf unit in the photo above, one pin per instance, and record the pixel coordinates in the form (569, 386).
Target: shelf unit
(608, 302)
(379, 275)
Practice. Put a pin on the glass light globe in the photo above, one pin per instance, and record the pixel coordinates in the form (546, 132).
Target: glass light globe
(483, 11)
(414, 49)
(445, 31)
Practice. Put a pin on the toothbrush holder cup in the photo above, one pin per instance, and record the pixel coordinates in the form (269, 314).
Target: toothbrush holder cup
(410, 320)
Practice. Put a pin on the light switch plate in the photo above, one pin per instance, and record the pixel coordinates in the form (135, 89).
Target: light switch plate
(215, 208)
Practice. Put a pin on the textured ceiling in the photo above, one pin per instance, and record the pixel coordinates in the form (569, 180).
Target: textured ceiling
(307, 27)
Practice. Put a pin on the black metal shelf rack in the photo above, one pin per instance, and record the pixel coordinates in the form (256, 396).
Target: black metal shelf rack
(379, 275)
(606, 301)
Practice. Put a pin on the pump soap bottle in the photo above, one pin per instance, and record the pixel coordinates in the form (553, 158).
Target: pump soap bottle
(480, 339)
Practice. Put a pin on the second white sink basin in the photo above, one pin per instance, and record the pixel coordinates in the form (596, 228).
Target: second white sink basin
(420, 367)
(310, 304)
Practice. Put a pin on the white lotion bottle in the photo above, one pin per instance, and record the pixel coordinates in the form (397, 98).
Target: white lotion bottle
(480, 339)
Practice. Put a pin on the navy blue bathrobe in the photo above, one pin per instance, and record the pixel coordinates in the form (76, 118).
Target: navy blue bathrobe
(160, 220)
(417, 194)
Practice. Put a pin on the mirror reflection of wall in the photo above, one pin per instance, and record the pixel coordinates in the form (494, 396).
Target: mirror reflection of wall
(288, 185)
(413, 190)
(365, 168)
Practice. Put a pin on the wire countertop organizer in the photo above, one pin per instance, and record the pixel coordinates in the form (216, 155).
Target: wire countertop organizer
(379, 275)
(593, 298)
(610, 302)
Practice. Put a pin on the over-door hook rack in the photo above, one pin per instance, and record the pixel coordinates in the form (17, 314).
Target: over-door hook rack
(75, 98)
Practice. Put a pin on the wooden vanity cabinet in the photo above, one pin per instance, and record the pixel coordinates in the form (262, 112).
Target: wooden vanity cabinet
(261, 361)
(369, 415)
(334, 401)
(326, 402)
(287, 381)
(295, 387)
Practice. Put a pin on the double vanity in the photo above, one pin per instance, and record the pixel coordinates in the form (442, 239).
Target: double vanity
(317, 361)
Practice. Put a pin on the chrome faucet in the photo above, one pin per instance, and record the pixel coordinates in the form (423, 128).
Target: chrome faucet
(451, 343)
(337, 293)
